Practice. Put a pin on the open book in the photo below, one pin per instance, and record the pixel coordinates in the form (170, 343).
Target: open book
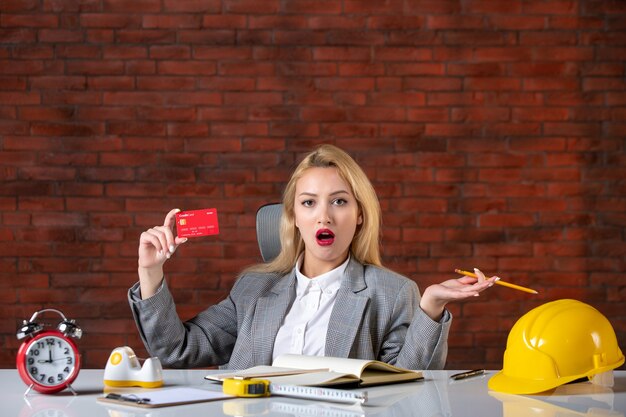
(324, 371)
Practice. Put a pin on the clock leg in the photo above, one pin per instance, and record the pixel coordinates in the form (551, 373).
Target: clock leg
(28, 389)
(69, 386)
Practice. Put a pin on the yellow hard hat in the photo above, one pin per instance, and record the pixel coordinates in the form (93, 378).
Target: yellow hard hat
(556, 343)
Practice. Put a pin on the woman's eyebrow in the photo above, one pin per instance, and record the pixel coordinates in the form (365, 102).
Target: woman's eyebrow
(315, 195)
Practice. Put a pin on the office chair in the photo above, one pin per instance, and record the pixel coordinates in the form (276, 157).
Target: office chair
(268, 230)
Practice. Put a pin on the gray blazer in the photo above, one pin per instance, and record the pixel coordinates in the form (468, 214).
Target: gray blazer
(376, 316)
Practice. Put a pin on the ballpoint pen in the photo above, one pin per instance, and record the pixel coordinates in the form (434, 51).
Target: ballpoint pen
(499, 282)
(467, 374)
(132, 398)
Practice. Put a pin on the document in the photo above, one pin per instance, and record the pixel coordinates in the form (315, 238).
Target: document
(324, 371)
(164, 397)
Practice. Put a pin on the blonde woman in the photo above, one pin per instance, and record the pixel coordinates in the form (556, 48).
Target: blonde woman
(325, 294)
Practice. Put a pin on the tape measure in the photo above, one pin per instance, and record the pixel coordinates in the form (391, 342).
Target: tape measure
(246, 387)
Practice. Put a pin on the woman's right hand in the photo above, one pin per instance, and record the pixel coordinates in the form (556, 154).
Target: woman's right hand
(156, 246)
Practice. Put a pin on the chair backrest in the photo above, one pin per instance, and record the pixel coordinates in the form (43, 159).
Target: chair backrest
(268, 230)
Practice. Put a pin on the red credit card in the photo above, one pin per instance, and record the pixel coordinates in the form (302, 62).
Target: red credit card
(195, 223)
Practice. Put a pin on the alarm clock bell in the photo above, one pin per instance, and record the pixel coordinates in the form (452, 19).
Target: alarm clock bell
(123, 370)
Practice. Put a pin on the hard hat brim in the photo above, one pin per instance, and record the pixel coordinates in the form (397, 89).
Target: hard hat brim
(504, 383)
(510, 385)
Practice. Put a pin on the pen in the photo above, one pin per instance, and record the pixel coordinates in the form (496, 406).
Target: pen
(467, 374)
(130, 398)
(499, 282)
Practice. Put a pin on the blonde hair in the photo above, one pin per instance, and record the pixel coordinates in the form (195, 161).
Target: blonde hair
(365, 246)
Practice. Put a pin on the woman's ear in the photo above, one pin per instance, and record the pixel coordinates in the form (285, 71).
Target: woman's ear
(359, 220)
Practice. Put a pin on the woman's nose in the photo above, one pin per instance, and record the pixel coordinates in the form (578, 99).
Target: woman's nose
(324, 216)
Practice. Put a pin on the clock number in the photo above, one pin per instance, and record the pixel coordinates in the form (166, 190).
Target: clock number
(66, 351)
(31, 361)
(66, 370)
(50, 341)
(50, 380)
(60, 377)
(69, 360)
(34, 370)
(42, 377)
(35, 352)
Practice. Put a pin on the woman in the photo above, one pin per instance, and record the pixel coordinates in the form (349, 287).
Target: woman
(326, 293)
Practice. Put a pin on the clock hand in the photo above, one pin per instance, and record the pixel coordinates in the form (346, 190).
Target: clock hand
(46, 360)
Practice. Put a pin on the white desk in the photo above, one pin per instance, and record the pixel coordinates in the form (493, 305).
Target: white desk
(436, 396)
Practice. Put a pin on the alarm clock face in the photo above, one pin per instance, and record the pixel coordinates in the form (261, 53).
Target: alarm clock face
(50, 361)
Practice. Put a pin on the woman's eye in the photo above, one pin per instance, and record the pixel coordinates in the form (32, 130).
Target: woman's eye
(307, 203)
(340, 202)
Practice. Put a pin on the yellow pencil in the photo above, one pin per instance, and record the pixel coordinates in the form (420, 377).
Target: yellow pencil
(499, 282)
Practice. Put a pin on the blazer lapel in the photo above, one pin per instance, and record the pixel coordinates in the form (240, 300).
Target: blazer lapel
(269, 314)
(347, 314)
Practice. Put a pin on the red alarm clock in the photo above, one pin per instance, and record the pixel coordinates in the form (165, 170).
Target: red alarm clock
(48, 361)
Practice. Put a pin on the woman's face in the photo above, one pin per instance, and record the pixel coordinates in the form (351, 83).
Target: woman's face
(327, 214)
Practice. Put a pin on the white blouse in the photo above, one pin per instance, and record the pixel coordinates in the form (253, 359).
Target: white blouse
(304, 329)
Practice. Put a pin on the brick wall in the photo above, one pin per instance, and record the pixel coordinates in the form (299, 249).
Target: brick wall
(493, 131)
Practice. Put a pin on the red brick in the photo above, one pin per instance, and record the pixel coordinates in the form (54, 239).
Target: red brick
(541, 114)
(395, 22)
(223, 21)
(335, 22)
(279, 22)
(186, 21)
(100, 35)
(17, 98)
(515, 22)
(186, 68)
(343, 53)
(222, 113)
(19, 5)
(141, 6)
(246, 68)
(106, 113)
(109, 20)
(150, 37)
(114, 82)
(432, 83)
(60, 36)
(418, 69)
(251, 6)
(169, 51)
(78, 51)
(30, 20)
(506, 220)
(312, 7)
(545, 37)
(74, 129)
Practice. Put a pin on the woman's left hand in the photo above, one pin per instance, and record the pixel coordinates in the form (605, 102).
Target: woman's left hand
(437, 296)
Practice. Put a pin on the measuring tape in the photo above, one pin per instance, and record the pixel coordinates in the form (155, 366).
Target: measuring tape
(240, 387)
(246, 387)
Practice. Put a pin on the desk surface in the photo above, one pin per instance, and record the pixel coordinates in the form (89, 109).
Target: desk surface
(437, 395)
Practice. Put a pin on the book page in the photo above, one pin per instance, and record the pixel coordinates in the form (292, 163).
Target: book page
(314, 379)
(342, 365)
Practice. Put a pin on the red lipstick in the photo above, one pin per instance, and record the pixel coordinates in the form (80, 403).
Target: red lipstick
(325, 237)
